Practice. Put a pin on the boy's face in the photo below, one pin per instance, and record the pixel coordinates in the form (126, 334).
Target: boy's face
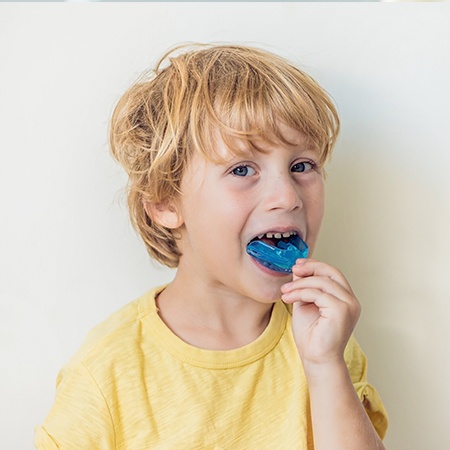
(225, 206)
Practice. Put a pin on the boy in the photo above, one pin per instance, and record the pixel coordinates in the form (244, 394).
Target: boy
(224, 146)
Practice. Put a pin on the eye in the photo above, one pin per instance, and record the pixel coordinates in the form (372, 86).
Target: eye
(304, 166)
(243, 171)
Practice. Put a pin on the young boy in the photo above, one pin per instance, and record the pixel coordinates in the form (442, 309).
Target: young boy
(223, 145)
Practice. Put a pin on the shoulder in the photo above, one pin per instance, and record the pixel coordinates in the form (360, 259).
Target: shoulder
(104, 372)
(117, 336)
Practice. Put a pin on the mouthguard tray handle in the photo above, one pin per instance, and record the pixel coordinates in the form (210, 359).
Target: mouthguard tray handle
(280, 258)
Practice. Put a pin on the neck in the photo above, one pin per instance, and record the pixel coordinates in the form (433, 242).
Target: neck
(210, 315)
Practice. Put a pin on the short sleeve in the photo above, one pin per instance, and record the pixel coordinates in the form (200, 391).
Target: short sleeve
(357, 364)
(79, 418)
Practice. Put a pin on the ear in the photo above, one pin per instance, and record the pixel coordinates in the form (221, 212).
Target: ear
(164, 214)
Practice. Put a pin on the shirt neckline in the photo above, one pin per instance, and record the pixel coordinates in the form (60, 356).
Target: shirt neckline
(212, 359)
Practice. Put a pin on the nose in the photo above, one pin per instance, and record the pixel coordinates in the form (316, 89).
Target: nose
(283, 193)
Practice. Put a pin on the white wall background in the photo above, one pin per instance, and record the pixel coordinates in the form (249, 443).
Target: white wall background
(68, 257)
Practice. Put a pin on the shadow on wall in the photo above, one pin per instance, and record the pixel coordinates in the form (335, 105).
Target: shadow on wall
(388, 231)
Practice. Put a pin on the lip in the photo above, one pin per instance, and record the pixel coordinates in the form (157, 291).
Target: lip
(268, 271)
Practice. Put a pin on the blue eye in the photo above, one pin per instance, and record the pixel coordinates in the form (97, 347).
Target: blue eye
(243, 171)
(305, 166)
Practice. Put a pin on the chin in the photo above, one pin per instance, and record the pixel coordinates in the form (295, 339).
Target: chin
(270, 294)
(265, 284)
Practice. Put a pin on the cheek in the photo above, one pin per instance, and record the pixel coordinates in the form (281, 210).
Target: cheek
(320, 212)
(209, 217)
(316, 210)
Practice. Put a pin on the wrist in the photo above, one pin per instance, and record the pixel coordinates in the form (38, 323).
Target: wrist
(325, 373)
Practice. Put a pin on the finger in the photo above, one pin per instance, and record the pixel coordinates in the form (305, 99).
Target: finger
(311, 267)
(328, 304)
(325, 284)
(317, 296)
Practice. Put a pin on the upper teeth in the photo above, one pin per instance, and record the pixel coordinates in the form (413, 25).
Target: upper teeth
(277, 235)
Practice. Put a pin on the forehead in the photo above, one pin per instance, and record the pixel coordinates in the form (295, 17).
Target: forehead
(226, 146)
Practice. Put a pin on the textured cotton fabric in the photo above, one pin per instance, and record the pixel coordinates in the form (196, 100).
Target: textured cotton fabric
(135, 385)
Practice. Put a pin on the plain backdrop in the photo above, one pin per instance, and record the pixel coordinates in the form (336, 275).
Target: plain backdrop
(69, 258)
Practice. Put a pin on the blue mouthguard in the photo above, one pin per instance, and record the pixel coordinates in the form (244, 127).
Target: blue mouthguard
(280, 258)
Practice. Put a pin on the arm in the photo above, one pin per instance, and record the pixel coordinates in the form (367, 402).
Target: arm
(325, 312)
(79, 418)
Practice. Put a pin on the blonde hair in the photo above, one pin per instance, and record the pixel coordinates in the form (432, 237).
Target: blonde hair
(239, 91)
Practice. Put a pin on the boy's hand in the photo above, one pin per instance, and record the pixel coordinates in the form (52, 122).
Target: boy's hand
(325, 311)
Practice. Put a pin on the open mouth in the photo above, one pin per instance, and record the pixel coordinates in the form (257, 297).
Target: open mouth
(278, 251)
(273, 238)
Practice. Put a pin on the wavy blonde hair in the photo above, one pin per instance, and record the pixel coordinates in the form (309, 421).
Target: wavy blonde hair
(193, 92)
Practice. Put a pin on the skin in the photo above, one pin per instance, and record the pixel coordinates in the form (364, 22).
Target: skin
(222, 299)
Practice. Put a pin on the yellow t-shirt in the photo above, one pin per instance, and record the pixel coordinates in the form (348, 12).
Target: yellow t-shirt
(135, 385)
